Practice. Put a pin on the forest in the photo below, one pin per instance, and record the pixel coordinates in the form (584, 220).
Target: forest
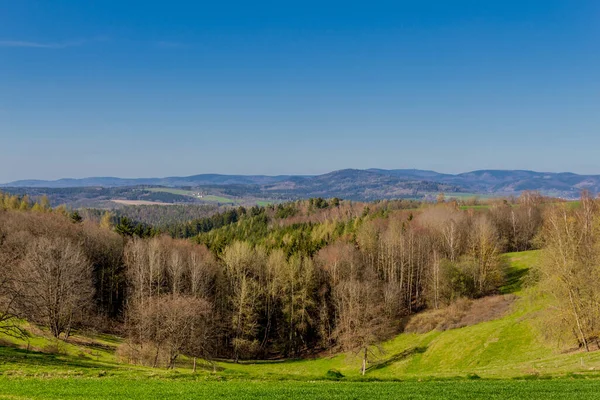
(290, 280)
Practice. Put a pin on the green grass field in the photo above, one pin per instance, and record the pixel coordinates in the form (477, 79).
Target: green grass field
(180, 192)
(501, 358)
(111, 388)
(205, 198)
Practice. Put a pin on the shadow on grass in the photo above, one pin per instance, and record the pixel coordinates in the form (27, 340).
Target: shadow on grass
(513, 280)
(22, 357)
(397, 357)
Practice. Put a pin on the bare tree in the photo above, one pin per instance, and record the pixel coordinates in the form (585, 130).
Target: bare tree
(569, 269)
(361, 322)
(9, 296)
(55, 278)
(483, 252)
(172, 323)
(449, 227)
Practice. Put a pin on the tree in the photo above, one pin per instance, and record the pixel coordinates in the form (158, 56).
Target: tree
(104, 249)
(9, 295)
(296, 282)
(243, 266)
(361, 323)
(56, 280)
(449, 228)
(483, 252)
(173, 323)
(570, 269)
(76, 217)
(106, 220)
(125, 227)
(44, 203)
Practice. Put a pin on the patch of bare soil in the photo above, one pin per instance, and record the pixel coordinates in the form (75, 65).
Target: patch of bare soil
(463, 312)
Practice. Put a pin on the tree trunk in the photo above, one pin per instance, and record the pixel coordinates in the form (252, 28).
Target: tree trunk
(194, 365)
(576, 314)
(172, 362)
(364, 362)
(156, 357)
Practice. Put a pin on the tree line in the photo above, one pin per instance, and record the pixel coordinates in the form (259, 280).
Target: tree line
(279, 281)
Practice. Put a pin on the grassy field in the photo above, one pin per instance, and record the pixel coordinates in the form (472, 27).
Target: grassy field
(501, 358)
(180, 192)
(205, 198)
(467, 196)
(264, 203)
(105, 388)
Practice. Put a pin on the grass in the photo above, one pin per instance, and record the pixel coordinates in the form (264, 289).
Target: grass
(209, 198)
(180, 192)
(429, 365)
(518, 265)
(219, 199)
(116, 388)
(503, 348)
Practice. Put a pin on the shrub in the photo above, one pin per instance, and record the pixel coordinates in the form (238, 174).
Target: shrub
(334, 374)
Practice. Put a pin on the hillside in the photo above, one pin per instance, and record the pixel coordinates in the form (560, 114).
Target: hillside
(353, 184)
(329, 292)
(508, 346)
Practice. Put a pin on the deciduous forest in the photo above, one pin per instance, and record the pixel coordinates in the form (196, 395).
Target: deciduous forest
(289, 280)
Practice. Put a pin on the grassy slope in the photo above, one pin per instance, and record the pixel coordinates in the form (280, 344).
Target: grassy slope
(503, 348)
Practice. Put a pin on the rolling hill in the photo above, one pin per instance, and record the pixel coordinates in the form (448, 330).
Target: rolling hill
(356, 184)
(502, 357)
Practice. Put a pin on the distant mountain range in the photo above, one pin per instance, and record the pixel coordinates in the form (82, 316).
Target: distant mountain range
(358, 184)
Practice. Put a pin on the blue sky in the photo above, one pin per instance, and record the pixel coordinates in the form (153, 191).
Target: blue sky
(139, 89)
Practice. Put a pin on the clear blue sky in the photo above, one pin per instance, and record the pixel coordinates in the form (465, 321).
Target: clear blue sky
(139, 89)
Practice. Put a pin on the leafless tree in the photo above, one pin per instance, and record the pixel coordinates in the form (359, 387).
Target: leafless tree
(55, 279)
(570, 269)
(361, 323)
(9, 296)
(172, 323)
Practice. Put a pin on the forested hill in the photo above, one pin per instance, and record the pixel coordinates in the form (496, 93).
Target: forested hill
(296, 279)
(371, 184)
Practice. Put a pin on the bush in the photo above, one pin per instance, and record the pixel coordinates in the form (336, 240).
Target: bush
(441, 320)
(141, 354)
(56, 347)
(334, 374)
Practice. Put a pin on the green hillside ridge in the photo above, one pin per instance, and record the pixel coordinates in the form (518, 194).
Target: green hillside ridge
(508, 347)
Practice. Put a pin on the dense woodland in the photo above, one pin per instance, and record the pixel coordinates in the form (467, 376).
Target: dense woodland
(286, 280)
(156, 215)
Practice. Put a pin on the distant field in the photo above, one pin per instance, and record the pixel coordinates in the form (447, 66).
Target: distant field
(205, 198)
(465, 196)
(172, 191)
(140, 203)
(219, 199)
